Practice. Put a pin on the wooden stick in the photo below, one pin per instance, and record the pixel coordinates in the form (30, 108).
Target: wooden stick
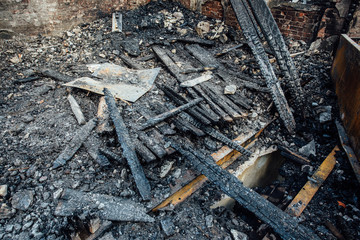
(128, 150)
(51, 73)
(159, 118)
(76, 110)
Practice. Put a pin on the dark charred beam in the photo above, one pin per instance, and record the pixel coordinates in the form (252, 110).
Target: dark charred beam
(249, 31)
(197, 70)
(278, 46)
(112, 156)
(92, 145)
(204, 57)
(227, 50)
(220, 100)
(193, 40)
(241, 82)
(144, 152)
(153, 144)
(241, 101)
(25, 80)
(159, 118)
(51, 73)
(128, 149)
(286, 226)
(75, 143)
(292, 156)
(146, 58)
(213, 105)
(129, 62)
(163, 127)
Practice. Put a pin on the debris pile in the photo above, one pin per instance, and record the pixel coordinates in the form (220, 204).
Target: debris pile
(178, 87)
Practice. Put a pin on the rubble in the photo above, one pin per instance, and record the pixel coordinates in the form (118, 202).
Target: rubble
(22, 200)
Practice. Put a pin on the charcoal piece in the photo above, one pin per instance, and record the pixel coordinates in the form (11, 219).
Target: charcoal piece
(25, 80)
(282, 223)
(153, 144)
(241, 101)
(105, 207)
(76, 142)
(92, 145)
(131, 46)
(129, 62)
(51, 73)
(227, 50)
(128, 149)
(112, 156)
(144, 152)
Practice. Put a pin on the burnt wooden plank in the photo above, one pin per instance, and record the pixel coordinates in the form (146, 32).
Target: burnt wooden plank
(163, 127)
(128, 149)
(51, 73)
(200, 41)
(286, 226)
(159, 118)
(144, 152)
(241, 101)
(129, 62)
(75, 143)
(204, 57)
(153, 144)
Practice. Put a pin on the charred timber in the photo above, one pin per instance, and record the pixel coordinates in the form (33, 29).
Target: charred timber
(128, 151)
(163, 127)
(286, 226)
(112, 156)
(159, 118)
(241, 101)
(129, 62)
(51, 73)
(75, 143)
(152, 144)
(144, 152)
(197, 70)
(205, 42)
(249, 31)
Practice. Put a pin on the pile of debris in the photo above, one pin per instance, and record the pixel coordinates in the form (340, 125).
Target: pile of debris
(178, 87)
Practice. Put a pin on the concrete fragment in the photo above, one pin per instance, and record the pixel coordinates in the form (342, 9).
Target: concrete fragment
(230, 89)
(238, 235)
(168, 226)
(22, 200)
(165, 169)
(326, 115)
(3, 190)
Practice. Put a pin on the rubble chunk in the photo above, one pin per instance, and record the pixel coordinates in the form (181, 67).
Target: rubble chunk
(22, 200)
(238, 235)
(308, 149)
(3, 190)
(230, 89)
(168, 226)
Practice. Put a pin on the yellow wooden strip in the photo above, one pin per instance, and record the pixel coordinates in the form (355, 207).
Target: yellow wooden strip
(302, 199)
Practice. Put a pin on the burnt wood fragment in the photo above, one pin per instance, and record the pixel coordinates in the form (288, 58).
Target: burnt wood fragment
(153, 144)
(112, 156)
(129, 62)
(204, 57)
(193, 40)
(292, 156)
(159, 118)
(146, 58)
(241, 101)
(163, 127)
(286, 226)
(128, 149)
(51, 73)
(105, 225)
(92, 145)
(75, 107)
(103, 117)
(25, 80)
(220, 100)
(75, 143)
(227, 50)
(250, 34)
(197, 70)
(144, 152)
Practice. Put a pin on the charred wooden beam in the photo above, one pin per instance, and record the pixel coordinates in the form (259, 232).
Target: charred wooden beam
(76, 110)
(129, 62)
(75, 143)
(292, 156)
(92, 145)
(204, 57)
(193, 40)
(112, 156)
(283, 224)
(163, 127)
(159, 118)
(112, 208)
(213, 105)
(128, 150)
(278, 46)
(197, 70)
(178, 99)
(244, 19)
(241, 101)
(51, 73)
(153, 144)
(103, 117)
(25, 80)
(220, 100)
(144, 152)
(227, 50)
(146, 58)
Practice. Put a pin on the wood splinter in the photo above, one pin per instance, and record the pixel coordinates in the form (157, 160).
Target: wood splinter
(76, 110)
(128, 151)
(159, 118)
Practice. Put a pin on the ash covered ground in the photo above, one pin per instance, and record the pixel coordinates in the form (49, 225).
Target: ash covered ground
(36, 124)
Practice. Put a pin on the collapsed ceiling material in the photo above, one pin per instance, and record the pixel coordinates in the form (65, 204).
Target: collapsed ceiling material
(80, 165)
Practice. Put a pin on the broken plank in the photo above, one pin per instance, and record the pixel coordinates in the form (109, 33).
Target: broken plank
(109, 154)
(227, 50)
(203, 56)
(292, 155)
(163, 127)
(197, 70)
(159, 118)
(193, 40)
(128, 151)
(283, 224)
(76, 110)
(241, 101)
(345, 143)
(105, 207)
(75, 143)
(302, 199)
(51, 73)
(224, 157)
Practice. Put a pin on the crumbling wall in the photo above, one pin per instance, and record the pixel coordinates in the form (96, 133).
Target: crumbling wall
(31, 17)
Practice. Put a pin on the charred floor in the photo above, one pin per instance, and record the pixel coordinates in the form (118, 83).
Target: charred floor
(65, 177)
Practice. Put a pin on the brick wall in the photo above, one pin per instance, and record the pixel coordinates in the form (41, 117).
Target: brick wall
(31, 17)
